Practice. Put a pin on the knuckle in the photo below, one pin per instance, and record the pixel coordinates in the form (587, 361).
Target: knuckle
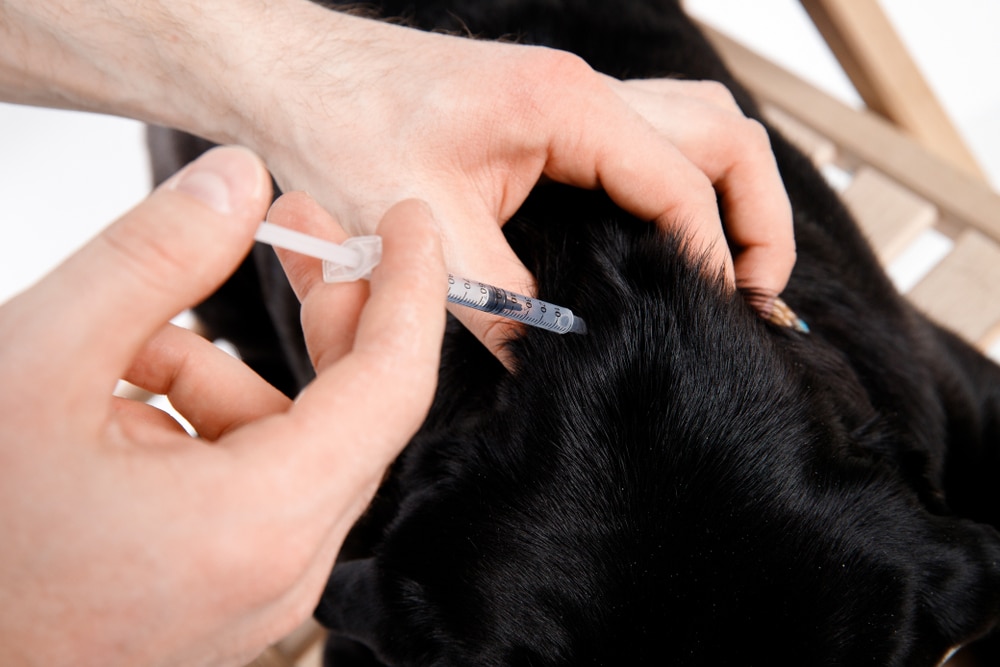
(538, 97)
(560, 64)
(756, 133)
(144, 255)
(718, 94)
(544, 77)
(701, 187)
(751, 143)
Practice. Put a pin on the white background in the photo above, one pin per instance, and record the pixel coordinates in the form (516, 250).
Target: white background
(65, 175)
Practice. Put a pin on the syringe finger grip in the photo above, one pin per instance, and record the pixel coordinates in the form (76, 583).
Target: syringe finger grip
(370, 250)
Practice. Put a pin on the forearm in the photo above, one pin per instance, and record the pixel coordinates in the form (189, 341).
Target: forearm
(197, 65)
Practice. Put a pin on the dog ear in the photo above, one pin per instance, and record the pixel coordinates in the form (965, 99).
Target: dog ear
(959, 593)
(351, 604)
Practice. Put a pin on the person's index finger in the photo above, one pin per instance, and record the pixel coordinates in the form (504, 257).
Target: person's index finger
(214, 391)
(393, 362)
(350, 422)
(299, 211)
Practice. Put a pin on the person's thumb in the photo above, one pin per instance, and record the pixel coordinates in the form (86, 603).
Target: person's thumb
(161, 257)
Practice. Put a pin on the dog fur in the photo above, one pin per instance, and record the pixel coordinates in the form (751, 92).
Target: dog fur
(685, 484)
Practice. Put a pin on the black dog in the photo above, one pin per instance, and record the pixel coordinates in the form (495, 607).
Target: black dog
(686, 484)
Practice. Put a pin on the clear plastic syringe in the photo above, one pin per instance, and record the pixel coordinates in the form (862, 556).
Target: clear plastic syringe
(498, 301)
(358, 255)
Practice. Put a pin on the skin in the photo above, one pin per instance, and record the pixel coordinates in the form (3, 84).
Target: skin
(363, 114)
(129, 542)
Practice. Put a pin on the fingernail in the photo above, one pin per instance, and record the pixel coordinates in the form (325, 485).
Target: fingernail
(784, 316)
(762, 302)
(224, 179)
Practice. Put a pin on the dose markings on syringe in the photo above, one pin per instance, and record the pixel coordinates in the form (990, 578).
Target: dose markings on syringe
(490, 299)
(470, 293)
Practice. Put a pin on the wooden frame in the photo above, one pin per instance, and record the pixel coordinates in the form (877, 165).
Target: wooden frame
(898, 189)
(882, 71)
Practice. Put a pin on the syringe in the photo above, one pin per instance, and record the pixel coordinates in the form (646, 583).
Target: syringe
(498, 301)
(358, 255)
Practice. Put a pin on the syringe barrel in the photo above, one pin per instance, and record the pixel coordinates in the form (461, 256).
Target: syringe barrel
(474, 294)
(497, 301)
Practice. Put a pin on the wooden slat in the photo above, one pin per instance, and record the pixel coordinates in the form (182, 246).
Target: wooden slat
(296, 650)
(271, 658)
(313, 657)
(884, 74)
(815, 146)
(961, 291)
(866, 137)
(891, 216)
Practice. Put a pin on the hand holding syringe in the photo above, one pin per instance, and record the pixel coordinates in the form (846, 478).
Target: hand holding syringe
(357, 256)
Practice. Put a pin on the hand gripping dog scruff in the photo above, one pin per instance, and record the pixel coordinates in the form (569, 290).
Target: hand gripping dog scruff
(708, 488)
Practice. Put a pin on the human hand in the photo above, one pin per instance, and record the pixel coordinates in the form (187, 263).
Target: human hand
(703, 120)
(126, 541)
(471, 126)
(363, 114)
